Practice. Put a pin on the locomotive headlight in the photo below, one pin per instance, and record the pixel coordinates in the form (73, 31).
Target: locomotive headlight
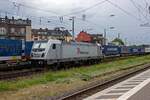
(43, 54)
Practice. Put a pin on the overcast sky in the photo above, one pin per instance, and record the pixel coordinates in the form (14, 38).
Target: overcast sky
(126, 21)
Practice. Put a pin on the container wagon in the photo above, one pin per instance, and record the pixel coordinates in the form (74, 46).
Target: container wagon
(111, 51)
(136, 50)
(147, 49)
(10, 50)
(125, 51)
(27, 51)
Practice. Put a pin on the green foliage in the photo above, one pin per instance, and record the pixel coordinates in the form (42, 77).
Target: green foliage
(118, 41)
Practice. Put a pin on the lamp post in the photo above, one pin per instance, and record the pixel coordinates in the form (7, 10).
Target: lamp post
(73, 26)
(105, 30)
(105, 34)
(105, 37)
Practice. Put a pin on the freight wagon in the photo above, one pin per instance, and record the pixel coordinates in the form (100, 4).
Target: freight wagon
(136, 50)
(10, 50)
(14, 50)
(27, 50)
(54, 51)
(111, 50)
(125, 51)
(147, 49)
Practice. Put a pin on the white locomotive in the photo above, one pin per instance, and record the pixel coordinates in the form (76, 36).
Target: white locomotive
(55, 51)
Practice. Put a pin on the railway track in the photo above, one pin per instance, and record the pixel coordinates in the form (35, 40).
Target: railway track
(25, 69)
(12, 71)
(14, 66)
(19, 73)
(9, 71)
(99, 86)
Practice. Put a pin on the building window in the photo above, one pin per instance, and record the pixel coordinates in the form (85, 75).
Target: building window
(12, 30)
(45, 32)
(39, 32)
(22, 31)
(35, 39)
(2, 30)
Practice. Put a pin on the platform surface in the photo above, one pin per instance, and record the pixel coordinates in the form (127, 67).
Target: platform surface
(134, 88)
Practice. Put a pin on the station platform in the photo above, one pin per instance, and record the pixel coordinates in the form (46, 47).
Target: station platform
(134, 88)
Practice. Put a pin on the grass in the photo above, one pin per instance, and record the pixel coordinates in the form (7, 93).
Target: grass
(65, 76)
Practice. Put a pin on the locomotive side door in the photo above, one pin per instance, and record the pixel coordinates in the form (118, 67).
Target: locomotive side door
(55, 51)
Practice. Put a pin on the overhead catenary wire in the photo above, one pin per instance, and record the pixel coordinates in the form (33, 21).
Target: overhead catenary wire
(126, 12)
(39, 19)
(144, 9)
(77, 12)
(134, 4)
(86, 9)
(89, 22)
(146, 2)
(147, 7)
(34, 8)
(67, 15)
(56, 13)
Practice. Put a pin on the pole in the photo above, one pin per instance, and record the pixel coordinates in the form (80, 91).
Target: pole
(125, 41)
(105, 35)
(73, 34)
(118, 35)
(40, 20)
(6, 13)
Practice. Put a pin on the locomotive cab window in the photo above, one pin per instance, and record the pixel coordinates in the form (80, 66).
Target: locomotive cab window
(54, 46)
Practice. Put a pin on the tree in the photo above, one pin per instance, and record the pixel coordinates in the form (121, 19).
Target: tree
(118, 41)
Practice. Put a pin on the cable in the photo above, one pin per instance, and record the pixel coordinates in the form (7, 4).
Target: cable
(147, 7)
(144, 9)
(86, 9)
(146, 2)
(126, 12)
(57, 13)
(83, 10)
(87, 21)
(31, 7)
(139, 9)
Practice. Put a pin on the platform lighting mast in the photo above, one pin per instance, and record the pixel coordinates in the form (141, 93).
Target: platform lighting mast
(73, 26)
